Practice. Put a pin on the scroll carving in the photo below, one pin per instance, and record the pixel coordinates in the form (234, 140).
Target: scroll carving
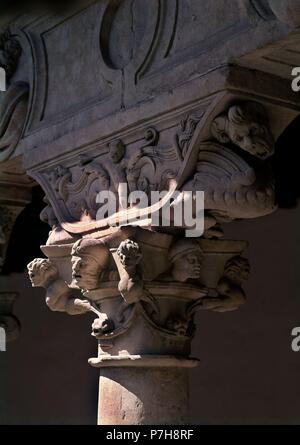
(10, 52)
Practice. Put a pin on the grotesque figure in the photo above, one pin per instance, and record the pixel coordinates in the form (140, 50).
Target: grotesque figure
(102, 326)
(230, 293)
(116, 151)
(246, 126)
(131, 284)
(43, 273)
(130, 255)
(186, 257)
(178, 326)
(90, 260)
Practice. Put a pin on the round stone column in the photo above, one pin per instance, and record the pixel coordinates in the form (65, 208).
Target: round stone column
(147, 391)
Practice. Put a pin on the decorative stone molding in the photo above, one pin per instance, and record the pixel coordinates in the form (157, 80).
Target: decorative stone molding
(235, 186)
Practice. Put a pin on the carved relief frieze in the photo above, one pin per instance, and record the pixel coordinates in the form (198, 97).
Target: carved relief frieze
(72, 192)
(138, 281)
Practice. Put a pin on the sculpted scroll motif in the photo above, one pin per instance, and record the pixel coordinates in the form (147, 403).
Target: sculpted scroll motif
(186, 258)
(234, 172)
(145, 169)
(232, 169)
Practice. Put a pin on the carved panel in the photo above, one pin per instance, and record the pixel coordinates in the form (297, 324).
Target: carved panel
(65, 86)
(226, 157)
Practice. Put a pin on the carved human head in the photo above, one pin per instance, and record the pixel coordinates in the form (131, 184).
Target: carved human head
(90, 258)
(116, 151)
(42, 272)
(237, 269)
(129, 253)
(186, 257)
(246, 126)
